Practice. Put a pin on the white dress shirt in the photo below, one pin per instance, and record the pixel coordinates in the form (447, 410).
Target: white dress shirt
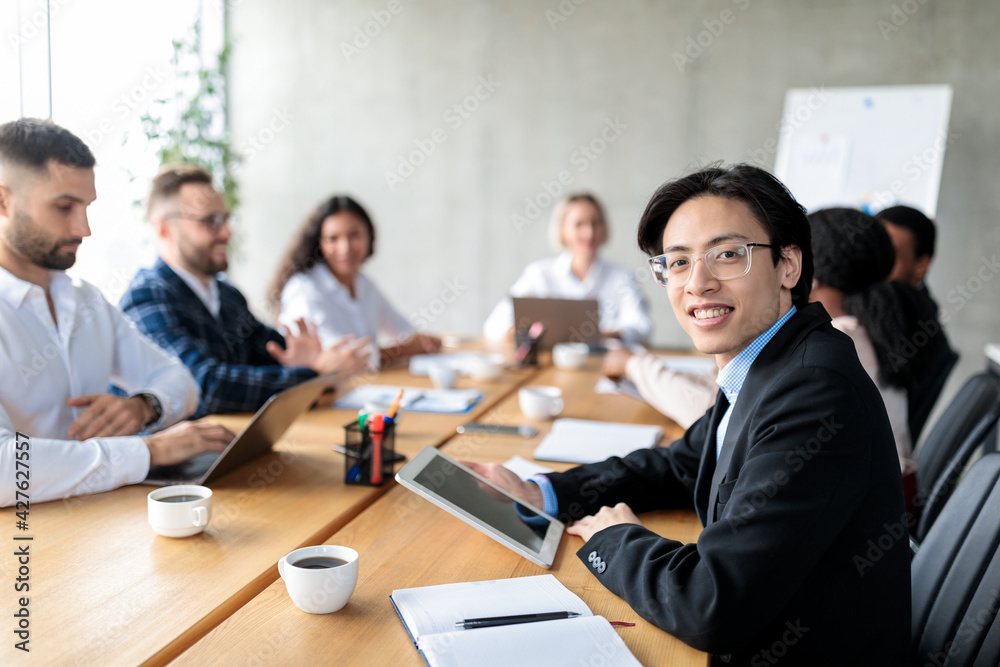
(615, 288)
(207, 295)
(43, 363)
(318, 296)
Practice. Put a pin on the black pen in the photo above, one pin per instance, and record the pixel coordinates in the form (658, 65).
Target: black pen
(471, 623)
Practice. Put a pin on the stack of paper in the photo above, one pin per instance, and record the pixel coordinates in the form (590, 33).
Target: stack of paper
(584, 441)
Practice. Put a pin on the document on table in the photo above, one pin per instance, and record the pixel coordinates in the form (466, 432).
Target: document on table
(430, 613)
(524, 468)
(415, 399)
(462, 362)
(585, 441)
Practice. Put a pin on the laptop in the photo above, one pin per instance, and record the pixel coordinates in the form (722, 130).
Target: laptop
(256, 439)
(567, 320)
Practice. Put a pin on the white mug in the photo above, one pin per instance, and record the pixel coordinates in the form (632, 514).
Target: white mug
(179, 511)
(316, 587)
(540, 402)
(570, 356)
(443, 376)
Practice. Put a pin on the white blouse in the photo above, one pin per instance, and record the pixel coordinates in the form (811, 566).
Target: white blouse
(894, 398)
(318, 296)
(615, 288)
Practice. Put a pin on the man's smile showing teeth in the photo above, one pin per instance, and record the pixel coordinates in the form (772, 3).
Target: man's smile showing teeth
(711, 312)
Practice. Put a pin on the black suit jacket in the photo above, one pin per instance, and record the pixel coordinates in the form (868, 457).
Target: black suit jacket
(804, 555)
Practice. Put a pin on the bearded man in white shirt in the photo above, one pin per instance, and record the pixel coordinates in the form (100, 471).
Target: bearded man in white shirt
(62, 344)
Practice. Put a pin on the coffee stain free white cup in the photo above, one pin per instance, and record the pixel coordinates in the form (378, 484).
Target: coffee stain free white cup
(540, 402)
(320, 580)
(179, 511)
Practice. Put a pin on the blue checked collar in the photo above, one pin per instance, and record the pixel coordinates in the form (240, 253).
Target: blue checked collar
(733, 374)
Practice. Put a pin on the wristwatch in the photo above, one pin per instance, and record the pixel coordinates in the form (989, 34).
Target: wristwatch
(155, 406)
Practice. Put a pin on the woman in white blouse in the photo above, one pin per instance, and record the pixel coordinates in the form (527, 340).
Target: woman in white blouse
(320, 281)
(579, 228)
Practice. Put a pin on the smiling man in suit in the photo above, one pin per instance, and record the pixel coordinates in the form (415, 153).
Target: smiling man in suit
(793, 471)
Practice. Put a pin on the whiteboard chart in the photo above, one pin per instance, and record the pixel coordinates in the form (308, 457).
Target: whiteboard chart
(866, 147)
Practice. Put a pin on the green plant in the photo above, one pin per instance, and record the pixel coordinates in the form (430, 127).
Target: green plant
(192, 125)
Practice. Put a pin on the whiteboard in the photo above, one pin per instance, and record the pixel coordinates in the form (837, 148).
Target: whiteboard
(866, 147)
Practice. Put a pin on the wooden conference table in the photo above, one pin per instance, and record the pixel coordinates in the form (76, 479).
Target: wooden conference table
(107, 590)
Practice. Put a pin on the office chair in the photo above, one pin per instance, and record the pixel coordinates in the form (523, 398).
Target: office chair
(974, 400)
(955, 577)
(934, 502)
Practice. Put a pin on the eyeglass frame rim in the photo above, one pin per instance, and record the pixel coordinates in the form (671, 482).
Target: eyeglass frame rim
(749, 245)
(212, 227)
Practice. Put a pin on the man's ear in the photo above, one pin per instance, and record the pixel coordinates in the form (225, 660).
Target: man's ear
(792, 266)
(4, 201)
(161, 228)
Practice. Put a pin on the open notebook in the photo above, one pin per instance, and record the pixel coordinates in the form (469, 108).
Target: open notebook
(431, 612)
(585, 441)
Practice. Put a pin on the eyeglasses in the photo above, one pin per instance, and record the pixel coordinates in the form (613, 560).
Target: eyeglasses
(724, 262)
(212, 223)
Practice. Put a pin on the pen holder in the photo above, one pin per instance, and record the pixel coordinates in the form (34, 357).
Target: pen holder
(362, 464)
(526, 347)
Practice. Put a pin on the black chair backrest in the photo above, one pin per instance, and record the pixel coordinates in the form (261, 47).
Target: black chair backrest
(974, 400)
(950, 476)
(921, 398)
(955, 578)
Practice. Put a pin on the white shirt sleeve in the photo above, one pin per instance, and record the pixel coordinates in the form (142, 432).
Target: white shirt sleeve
(684, 397)
(301, 300)
(391, 323)
(631, 319)
(62, 468)
(531, 282)
(140, 365)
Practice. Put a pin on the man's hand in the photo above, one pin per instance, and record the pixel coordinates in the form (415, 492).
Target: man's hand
(182, 441)
(588, 526)
(349, 356)
(427, 344)
(301, 350)
(506, 479)
(615, 361)
(108, 416)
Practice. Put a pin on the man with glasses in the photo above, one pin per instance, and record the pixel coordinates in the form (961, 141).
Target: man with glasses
(793, 473)
(183, 305)
(62, 344)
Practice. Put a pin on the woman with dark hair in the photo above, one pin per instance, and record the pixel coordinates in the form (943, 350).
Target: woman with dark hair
(320, 280)
(888, 321)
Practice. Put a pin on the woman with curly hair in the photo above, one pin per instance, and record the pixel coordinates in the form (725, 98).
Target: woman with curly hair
(320, 280)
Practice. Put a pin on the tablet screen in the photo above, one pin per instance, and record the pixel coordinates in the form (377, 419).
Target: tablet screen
(456, 485)
(495, 512)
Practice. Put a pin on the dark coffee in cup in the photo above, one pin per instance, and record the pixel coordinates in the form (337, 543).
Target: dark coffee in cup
(319, 563)
(178, 499)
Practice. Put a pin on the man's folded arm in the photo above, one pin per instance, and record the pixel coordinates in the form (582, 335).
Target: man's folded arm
(64, 468)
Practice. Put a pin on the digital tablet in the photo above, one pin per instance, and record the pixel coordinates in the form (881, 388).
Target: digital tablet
(461, 492)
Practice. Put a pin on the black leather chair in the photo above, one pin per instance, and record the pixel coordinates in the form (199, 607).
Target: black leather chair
(974, 400)
(935, 501)
(955, 577)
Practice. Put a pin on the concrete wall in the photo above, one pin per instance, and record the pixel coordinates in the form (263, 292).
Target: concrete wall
(320, 107)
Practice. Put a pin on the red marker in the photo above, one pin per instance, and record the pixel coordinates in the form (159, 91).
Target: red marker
(376, 423)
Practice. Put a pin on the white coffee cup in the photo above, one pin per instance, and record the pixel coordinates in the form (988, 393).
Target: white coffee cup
(180, 511)
(315, 588)
(488, 368)
(570, 355)
(540, 402)
(443, 376)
